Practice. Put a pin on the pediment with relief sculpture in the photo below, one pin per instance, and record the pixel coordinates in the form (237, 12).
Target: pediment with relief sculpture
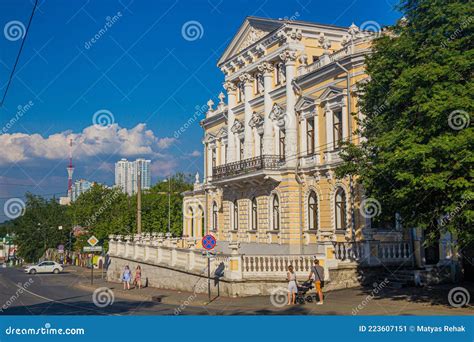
(252, 30)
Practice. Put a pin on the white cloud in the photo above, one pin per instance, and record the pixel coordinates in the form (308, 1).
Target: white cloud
(91, 142)
(195, 153)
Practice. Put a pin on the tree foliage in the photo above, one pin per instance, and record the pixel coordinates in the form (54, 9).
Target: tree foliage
(417, 154)
(101, 211)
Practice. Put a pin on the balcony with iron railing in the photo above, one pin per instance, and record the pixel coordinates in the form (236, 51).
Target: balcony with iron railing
(247, 167)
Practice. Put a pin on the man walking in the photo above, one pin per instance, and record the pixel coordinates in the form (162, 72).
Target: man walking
(318, 272)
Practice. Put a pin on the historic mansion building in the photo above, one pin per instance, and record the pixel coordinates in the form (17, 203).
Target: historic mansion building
(272, 144)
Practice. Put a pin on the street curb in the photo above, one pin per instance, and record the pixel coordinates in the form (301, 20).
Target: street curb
(139, 297)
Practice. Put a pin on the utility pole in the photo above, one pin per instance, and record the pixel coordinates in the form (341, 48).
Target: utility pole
(139, 201)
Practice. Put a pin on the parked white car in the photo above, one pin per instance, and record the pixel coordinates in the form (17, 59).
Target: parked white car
(45, 267)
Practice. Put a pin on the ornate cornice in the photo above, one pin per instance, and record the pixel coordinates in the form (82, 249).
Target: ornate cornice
(266, 67)
(237, 127)
(288, 56)
(256, 120)
(288, 34)
(230, 86)
(246, 78)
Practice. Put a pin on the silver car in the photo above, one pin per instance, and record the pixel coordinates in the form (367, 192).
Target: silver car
(45, 267)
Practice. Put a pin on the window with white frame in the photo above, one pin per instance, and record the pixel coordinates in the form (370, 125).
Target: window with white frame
(340, 209)
(235, 215)
(312, 211)
(281, 140)
(254, 214)
(214, 216)
(275, 212)
(337, 129)
(310, 135)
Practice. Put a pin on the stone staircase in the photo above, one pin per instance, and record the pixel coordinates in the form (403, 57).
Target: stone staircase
(398, 278)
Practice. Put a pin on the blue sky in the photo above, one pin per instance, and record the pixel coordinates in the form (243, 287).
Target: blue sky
(141, 71)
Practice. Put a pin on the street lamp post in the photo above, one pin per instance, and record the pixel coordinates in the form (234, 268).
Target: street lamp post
(169, 206)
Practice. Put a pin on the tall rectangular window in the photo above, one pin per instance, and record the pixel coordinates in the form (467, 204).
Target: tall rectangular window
(241, 151)
(337, 129)
(310, 135)
(282, 144)
(214, 158)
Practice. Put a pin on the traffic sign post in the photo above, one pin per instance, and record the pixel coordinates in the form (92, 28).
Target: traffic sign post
(208, 243)
(92, 241)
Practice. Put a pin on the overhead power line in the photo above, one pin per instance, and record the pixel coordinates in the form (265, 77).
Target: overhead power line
(19, 53)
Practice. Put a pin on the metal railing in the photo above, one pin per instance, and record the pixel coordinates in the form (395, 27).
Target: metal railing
(242, 167)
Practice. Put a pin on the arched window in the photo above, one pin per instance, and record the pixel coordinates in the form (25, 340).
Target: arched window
(340, 209)
(203, 227)
(313, 211)
(191, 215)
(235, 215)
(214, 216)
(276, 212)
(254, 214)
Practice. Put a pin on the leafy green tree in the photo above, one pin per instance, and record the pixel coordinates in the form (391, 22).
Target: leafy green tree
(418, 151)
(101, 211)
(38, 229)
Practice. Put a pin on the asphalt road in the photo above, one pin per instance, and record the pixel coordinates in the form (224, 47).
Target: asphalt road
(51, 294)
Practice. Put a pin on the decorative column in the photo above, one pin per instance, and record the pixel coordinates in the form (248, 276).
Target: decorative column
(231, 89)
(289, 57)
(235, 262)
(267, 70)
(247, 80)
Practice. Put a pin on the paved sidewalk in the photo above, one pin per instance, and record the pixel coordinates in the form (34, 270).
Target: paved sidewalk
(406, 301)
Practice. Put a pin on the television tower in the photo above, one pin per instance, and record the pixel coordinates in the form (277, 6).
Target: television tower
(70, 171)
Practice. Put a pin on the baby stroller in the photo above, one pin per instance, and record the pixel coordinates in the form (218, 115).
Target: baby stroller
(302, 296)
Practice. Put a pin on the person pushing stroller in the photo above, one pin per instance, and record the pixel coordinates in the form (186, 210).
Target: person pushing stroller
(317, 271)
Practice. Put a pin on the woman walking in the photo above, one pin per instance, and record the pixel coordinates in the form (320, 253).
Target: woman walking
(138, 277)
(126, 278)
(292, 285)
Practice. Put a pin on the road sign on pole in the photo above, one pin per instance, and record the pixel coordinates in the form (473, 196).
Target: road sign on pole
(208, 242)
(93, 241)
(89, 249)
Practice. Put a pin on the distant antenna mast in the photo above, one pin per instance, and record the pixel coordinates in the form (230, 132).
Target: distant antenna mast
(70, 171)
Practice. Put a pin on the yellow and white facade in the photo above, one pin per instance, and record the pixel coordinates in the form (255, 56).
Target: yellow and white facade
(272, 144)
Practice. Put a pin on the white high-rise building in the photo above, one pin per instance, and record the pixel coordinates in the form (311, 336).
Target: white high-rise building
(126, 175)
